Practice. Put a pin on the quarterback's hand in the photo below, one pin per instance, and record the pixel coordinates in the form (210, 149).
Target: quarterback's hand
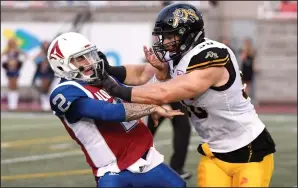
(165, 112)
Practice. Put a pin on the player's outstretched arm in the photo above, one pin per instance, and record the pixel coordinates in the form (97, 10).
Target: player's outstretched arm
(138, 74)
(141, 74)
(137, 111)
(182, 87)
(102, 110)
(135, 74)
(129, 74)
(204, 70)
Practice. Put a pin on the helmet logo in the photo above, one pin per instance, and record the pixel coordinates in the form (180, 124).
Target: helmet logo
(56, 52)
(184, 15)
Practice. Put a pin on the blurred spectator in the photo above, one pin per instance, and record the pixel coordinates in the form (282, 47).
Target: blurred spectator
(288, 6)
(12, 59)
(44, 76)
(226, 41)
(166, 3)
(247, 58)
(213, 3)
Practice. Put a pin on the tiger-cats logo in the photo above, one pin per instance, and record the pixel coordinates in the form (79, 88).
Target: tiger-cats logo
(184, 15)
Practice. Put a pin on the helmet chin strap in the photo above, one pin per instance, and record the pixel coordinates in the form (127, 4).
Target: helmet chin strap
(195, 40)
(194, 43)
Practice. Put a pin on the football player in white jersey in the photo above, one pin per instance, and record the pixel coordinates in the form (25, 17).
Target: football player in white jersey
(236, 148)
(117, 145)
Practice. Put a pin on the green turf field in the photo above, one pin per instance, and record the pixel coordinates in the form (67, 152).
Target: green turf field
(36, 151)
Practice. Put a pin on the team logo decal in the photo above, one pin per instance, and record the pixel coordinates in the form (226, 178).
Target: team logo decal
(56, 52)
(184, 15)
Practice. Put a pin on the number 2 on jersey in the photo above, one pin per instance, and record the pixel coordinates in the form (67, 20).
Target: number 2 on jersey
(61, 102)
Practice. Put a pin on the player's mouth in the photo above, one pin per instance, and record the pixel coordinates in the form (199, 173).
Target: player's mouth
(88, 71)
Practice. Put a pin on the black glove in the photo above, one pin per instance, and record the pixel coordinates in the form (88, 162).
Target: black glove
(101, 70)
(119, 72)
(106, 63)
(116, 90)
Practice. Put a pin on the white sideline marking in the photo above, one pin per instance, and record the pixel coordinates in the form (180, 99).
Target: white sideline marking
(32, 126)
(26, 115)
(41, 157)
(159, 143)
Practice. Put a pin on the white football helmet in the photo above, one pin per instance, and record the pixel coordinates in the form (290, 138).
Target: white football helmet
(66, 49)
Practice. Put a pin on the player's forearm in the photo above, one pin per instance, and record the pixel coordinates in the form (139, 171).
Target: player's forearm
(96, 109)
(135, 111)
(138, 74)
(101, 110)
(153, 93)
(129, 74)
(158, 93)
(163, 74)
(173, 90)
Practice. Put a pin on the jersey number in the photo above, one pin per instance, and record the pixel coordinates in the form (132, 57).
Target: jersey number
(61, 103)
(198, 111)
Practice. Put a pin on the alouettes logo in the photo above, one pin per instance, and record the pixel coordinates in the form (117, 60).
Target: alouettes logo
(56, 52)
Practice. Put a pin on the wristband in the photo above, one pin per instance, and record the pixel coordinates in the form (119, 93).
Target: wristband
(125, 93)
(119, 72)
(115, 90)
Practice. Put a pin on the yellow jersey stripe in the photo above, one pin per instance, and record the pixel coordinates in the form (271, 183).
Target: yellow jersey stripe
(208, 62)
(210, 65)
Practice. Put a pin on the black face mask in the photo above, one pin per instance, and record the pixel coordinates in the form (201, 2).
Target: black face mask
(161, 49)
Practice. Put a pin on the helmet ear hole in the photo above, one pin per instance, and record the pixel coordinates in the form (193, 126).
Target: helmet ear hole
(60, 68)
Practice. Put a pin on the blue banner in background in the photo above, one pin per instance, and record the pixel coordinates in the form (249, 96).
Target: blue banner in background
(115, 56)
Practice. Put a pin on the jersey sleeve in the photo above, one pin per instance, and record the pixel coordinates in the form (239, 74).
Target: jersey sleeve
(63, 96)
(210, 57)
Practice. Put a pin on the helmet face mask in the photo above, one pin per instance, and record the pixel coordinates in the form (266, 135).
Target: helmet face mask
(85, 65)
(72, 57)
(166, 45)
(181, 21)
(163, 49)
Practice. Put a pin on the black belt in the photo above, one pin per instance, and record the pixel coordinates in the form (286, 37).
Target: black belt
(145, 155)
(259, 148)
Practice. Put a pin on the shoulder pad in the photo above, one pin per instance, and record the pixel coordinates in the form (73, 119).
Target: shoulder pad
(62, 97)
(210, 57)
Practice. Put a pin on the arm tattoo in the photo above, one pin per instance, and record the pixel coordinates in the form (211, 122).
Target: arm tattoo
(135, 111)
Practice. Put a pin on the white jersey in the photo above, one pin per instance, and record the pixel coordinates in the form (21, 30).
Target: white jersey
(223, 116)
